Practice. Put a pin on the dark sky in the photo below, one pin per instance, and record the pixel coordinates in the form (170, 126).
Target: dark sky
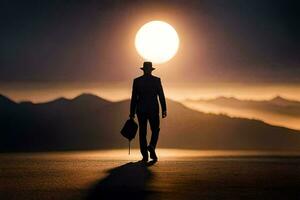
(88, 41)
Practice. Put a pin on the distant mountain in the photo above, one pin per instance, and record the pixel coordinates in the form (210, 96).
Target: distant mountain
(90, 122)
(277, 105)
(280, 101)
(5, 103)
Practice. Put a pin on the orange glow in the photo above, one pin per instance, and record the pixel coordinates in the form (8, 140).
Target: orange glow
(117, 91)
(121, 90)
(164, 154)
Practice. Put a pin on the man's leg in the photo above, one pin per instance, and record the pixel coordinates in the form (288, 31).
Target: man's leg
(143, 135)
(154, 124)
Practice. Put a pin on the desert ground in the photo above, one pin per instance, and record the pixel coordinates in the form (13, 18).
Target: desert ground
(179, 174)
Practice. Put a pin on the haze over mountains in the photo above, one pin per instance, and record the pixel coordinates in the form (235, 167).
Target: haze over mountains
(276, 111)
(277, 105)
(90, 122)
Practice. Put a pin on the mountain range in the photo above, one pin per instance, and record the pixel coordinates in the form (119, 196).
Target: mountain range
(277, 111)
(90, 122)
(278, 105)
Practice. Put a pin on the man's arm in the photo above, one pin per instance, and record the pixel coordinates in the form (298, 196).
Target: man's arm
(162, 99)
(133, 102)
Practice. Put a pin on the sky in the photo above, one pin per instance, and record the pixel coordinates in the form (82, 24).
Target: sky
(93, 41)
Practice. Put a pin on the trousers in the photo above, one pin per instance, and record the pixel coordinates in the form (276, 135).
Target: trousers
(143, 119)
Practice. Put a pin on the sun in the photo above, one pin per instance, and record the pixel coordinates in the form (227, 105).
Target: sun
(157, 41)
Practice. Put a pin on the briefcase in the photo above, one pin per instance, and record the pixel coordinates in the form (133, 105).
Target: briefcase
(129, 130)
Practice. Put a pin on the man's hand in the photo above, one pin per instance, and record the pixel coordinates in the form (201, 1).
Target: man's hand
(131, 116)
(164, 114)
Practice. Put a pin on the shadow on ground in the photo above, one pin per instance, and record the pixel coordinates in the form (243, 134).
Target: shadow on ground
(128, 181)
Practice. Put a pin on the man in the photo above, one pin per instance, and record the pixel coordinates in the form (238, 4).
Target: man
(144, 103)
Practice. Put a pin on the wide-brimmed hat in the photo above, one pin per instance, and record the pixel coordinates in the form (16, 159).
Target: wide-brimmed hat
(147, 66)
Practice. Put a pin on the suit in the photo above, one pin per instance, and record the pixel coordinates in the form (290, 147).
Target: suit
(144, 103)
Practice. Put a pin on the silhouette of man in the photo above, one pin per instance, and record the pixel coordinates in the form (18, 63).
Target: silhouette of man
(144, 103)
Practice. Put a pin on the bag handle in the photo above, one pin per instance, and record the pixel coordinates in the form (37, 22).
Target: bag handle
(128, 147)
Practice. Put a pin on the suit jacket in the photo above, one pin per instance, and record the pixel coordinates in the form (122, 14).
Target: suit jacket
(145, 90)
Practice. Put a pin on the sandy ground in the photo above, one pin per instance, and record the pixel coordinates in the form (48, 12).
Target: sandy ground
(179, 174)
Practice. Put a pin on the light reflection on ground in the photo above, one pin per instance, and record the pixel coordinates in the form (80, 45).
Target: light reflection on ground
(164, 154)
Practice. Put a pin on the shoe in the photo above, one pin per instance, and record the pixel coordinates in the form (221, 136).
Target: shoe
(145, 159)
(152, 153)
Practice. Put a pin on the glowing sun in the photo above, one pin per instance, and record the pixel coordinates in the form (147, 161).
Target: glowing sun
(157, 41)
